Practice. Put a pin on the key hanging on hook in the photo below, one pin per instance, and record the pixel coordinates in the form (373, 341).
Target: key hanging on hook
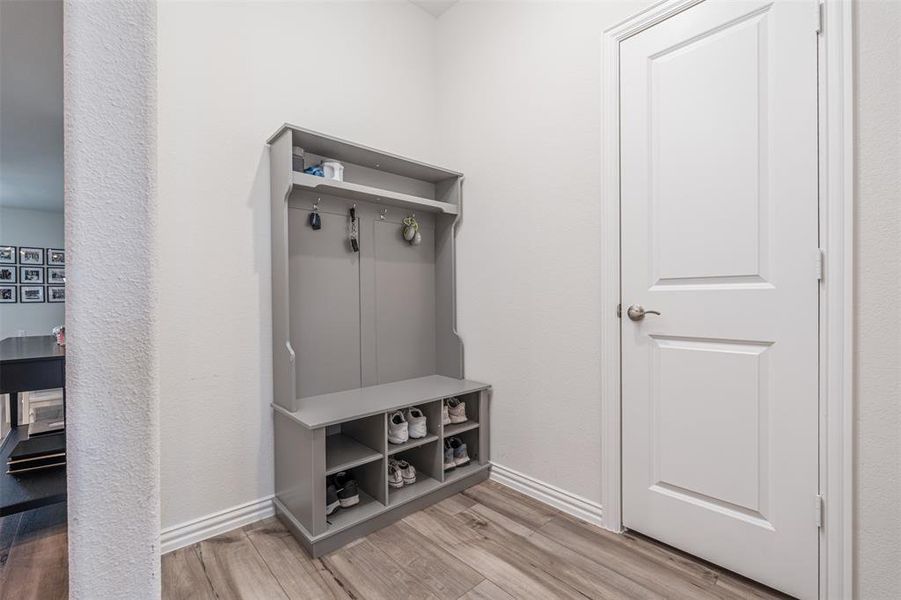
(411, 230)
(315, 219)
(354, 230)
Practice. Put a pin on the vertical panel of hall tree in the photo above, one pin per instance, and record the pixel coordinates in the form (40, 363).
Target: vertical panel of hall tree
(324, 275)
(405, 302)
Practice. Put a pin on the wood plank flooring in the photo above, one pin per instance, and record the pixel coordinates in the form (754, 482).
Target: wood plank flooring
(488, 543)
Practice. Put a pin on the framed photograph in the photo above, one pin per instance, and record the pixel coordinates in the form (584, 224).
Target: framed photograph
(56, 293)
(56, 257)
(29, 294)
(7, 294)
(56, 276)
(31, 275)
(8, 255)
(7, 274)
(31, 256)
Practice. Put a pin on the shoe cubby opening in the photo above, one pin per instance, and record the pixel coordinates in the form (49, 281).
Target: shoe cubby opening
(432, 413)
(354, 443)
(471, 412)
(471, 439)
(370, 498)
(426, 459)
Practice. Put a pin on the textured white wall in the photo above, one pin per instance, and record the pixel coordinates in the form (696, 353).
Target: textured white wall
(229, 75)
(520, 105)
(878, 265)
(112, 434)
(44, 229)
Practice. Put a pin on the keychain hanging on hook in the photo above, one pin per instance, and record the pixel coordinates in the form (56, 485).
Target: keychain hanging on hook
(354, 230)
(411, 230)
(315, 219)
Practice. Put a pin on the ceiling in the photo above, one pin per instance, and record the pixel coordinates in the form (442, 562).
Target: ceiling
(436, 8)
(31, 104)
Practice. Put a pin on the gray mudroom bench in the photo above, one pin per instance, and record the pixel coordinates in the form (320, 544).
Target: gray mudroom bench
(358, 333)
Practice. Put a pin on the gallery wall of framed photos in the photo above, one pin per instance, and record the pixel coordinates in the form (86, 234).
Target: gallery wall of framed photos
(32, 275)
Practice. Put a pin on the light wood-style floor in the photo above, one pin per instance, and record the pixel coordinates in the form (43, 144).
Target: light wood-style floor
(488, 543)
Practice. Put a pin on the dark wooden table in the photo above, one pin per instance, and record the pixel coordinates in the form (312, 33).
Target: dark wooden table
(28, 364)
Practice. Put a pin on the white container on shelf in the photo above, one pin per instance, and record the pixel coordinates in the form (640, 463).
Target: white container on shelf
(333, 170)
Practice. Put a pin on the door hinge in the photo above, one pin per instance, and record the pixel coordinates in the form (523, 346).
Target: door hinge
(619, 311)
(820, 509)
(821, 16)
(821, 264)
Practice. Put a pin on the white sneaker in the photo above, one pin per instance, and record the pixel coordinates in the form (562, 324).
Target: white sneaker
(402, 469)
(395, 479)
(417, 422)
(456, 410)
(398, 429)
(445, 417)
(407, 471)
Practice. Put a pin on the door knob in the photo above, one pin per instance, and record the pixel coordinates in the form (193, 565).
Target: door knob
(637, 312)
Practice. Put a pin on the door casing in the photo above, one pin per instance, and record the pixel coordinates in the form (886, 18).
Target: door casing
(836, 317)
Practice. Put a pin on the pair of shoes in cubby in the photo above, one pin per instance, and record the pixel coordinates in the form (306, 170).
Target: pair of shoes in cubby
(404, 425)
(340, 491)
(400, 473)
(455, 454)
(453, 410)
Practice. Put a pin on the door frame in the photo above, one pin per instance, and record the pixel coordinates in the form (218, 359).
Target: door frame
(836, 201)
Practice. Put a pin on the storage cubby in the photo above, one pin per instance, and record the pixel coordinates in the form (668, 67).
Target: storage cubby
(354, 443)
(426, 460)
(472, 416)
(361, 330)
(432, 412)
(370, 483)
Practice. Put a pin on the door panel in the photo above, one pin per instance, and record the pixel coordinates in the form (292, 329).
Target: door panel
(719, 234)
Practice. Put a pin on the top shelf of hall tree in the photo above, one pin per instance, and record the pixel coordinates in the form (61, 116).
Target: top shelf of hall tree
(376, 165)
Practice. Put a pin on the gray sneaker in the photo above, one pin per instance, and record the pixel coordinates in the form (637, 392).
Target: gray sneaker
(456, 410)
(448, 456)
(459, 449)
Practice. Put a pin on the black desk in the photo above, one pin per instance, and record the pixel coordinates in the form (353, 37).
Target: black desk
(27, 364)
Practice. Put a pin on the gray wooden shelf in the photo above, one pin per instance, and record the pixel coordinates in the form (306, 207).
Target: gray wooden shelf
(424, 484)
(356, 191)
(471, 468)
(458, 428)
(336, 148)
(342, 452)
(413, 443)
(314, 412)
(348, 517)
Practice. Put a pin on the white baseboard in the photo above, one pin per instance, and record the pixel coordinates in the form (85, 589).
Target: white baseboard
(562, 500)
(185, 534)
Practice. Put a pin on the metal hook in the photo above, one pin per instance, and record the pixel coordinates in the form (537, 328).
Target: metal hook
(316, 205)
(382, 213)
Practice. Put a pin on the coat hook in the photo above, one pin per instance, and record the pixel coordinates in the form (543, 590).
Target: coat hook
(382, 213)
(316, 205)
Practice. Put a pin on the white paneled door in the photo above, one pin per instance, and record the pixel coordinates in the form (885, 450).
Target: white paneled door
(719, 235)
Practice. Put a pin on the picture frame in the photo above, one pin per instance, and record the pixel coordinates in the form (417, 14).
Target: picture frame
(31, 256)
(31, 294)
(8, 255)
(31, 275)
(8, 294)
(56, 293)
(56, 275)
(56, 257)
(8, 274)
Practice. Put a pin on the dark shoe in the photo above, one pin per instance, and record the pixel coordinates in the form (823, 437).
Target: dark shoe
(459, 448)
(331, 497)
(348, 493)
(448, 456)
